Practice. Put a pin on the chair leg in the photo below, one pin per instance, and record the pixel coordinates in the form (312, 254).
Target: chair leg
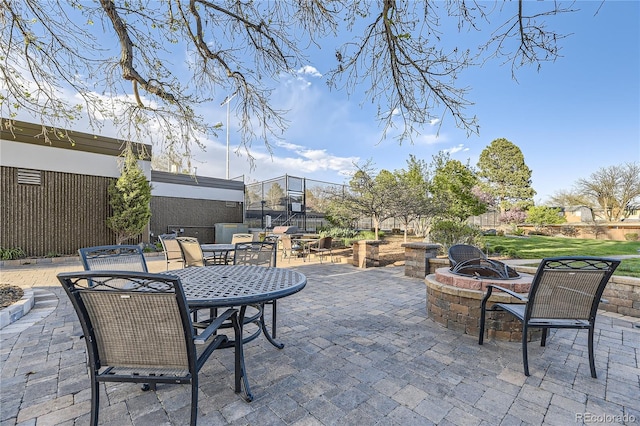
(543, 340)
(592, 361)
(525, 360)
(194, 399)
(483, 314)
(95, 400)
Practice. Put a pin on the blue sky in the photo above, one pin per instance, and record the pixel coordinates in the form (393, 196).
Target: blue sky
(569, 118)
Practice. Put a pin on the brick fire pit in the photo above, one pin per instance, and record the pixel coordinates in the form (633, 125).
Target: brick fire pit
(454, 301)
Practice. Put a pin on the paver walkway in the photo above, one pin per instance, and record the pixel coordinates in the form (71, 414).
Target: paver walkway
(359, 350)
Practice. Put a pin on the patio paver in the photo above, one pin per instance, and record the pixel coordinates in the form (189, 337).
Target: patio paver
(359, 350)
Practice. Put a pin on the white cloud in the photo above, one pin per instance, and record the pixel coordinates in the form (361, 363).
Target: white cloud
(309, 70)
(288, 145)
(458, 148)
(429, 139)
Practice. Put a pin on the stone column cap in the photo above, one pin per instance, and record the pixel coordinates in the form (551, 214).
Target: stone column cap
(421, 245)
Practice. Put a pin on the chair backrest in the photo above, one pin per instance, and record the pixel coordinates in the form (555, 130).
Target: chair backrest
(286, 242)
(171, 247)
(113, 258)
(325, 242)
(569, 287)
(459, 253)
(191, 251)
(241, 238)
(255, 253)
(121, 325)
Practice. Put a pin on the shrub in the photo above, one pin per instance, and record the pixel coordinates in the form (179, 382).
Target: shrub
(368, 235)
(11, 253)
(449, 232)
(569, 231)
(511, 252)
(517, 231)
(498, 249)
(631, 236)
(340, 233)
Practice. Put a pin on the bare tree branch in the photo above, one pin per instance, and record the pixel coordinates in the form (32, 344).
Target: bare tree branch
(58, 61)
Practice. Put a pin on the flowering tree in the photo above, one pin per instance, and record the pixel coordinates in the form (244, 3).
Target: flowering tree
(513, 217)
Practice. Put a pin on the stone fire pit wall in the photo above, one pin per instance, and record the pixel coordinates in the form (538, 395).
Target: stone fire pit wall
(454, 302)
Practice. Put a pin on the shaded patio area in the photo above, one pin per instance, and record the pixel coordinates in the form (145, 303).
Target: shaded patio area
(359, 350)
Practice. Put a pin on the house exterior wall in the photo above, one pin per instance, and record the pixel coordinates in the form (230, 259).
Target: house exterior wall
(191, 206)
(58, 216)
(64, 203)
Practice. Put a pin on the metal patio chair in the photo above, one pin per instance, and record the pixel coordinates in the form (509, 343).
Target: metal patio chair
(470, 261)
(241, 238)
(171, 248)
(142, 334)
(289, 248)
(460, 253)
(565, 293)
(322, 247)
(113, 258)
(260, 253)
(193, 255)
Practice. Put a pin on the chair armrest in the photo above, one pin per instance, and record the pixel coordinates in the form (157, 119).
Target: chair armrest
(518, 296)
(201, 338)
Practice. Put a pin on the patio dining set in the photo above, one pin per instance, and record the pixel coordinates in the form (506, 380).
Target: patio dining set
(153, 328)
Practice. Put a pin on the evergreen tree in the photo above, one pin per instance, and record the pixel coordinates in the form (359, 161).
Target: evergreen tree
(505, 175)
(129, 197)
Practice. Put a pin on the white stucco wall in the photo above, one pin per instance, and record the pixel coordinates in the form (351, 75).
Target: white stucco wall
(45, 157)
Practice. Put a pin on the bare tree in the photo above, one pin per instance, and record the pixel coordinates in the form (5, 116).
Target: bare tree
(369, 194)
(566, 198)
(409, 196)
(58, 60)
(614, 189)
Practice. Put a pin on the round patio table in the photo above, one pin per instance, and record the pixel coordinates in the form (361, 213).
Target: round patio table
(220, 252)
(224, 286)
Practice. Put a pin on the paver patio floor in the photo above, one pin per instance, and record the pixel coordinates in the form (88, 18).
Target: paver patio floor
(360, 350)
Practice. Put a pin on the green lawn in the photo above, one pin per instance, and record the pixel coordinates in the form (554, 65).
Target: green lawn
(537, 247)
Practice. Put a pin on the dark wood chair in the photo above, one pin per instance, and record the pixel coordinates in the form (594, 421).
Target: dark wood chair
(565, 293)
(143, 334)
